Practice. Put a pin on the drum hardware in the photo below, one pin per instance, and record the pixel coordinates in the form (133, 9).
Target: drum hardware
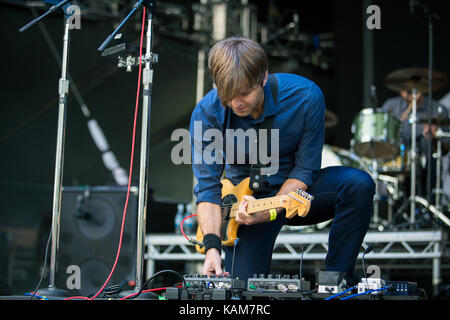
(414, 198)
(393, 195)
(413, 156)
(377, 196)
(438, 155)
(433, 209)
(438, 189)
(415, 80)
(423, 80)
(390, 176)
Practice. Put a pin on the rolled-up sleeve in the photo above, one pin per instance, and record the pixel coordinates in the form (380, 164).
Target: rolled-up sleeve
(208, 175)
(308, 156)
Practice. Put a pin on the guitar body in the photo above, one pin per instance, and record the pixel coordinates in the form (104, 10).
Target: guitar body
(230, 194)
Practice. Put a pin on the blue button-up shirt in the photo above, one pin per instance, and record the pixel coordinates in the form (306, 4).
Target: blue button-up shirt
(298, 113)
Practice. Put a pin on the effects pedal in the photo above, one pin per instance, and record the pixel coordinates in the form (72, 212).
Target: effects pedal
(368, 284)
(401, 288)
(276, 287)
(203, 287)
(331, 282)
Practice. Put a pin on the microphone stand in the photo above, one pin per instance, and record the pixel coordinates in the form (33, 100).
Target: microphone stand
(431, 16)
(52, 9)
(147, 81)
(413, 156)
(375, 169)
(63, 94)
(438, 191)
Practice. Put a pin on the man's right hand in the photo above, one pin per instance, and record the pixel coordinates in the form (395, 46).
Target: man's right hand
(213, 263)
(209, 216)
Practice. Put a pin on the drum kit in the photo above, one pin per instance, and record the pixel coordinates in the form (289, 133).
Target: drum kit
(377, 149)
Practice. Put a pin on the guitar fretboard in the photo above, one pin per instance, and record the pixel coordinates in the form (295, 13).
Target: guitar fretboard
(262, 204)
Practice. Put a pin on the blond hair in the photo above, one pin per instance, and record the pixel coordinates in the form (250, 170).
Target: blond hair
(236, 65)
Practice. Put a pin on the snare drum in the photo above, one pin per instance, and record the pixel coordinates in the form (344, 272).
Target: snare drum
(375, 134)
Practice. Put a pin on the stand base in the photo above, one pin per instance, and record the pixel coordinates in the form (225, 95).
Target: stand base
(53, 293)
(142, 296)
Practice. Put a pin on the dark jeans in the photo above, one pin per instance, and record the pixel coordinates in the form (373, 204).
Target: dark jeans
(343, 193)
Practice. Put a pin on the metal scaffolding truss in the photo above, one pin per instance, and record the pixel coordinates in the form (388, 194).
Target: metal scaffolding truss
(288, 246)
(386, 245)
(399, 245)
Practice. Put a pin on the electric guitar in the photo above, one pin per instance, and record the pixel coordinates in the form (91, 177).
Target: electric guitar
(295, 203)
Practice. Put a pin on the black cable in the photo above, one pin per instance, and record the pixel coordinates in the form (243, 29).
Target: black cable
(232, 261)
(45, 266)
(422, 291)
(157, 274)
(368, 249)
(301, 261)
(301, 268)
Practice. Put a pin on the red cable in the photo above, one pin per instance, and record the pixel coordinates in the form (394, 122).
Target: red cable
(131, 169)
(149, 290)
(181, 225)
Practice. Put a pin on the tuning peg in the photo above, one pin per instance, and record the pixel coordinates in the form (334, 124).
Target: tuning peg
(305, 194)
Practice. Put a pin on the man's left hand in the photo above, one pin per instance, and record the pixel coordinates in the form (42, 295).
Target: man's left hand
(242, 217)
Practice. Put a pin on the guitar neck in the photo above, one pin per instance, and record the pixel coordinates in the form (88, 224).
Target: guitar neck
(261, 205)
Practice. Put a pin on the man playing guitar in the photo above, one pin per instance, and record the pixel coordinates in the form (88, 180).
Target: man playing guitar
(242, 99)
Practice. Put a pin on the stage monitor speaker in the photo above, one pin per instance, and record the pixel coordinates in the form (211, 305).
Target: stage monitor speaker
(90, 224)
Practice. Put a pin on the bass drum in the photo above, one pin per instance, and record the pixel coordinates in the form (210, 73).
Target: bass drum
(334, 156)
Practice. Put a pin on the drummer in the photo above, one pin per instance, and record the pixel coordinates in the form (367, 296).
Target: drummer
(401, 108)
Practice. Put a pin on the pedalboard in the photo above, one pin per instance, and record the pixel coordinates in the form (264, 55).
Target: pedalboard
(284, 287)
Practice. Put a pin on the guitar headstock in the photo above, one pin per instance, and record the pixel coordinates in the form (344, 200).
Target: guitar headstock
(300, 203)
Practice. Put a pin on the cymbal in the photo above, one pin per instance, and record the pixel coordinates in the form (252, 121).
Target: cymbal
(414, 78)
(331, 119)
(437, 121)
